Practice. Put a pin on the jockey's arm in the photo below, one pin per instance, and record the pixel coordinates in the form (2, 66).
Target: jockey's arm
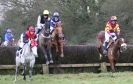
(52, 25)
(25, 38)
(118, 30)
(38, 21)
(107, 29)
(6, 37)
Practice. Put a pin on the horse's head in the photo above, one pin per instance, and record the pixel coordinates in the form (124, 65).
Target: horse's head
(122, 44)
(100, 38)
(33, 45)
(46, 32)
(46, 29)
(58, 24)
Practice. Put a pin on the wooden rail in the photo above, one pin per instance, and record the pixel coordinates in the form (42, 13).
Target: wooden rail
(46, 67)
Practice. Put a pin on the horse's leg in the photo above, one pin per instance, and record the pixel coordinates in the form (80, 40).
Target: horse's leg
(50, 54)
(30, 73)
(16, 73)
(115, 65)
(45, 55)
(61, 49)
(17, 66)
(112, 65)
(24, 74)
(31, 68)
(56, 46)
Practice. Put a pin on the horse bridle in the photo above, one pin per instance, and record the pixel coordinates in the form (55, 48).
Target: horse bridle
(45, 32)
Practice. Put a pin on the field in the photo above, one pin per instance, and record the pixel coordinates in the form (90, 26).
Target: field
(82, 78)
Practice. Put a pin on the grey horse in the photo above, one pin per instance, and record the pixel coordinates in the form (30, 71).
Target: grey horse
(44, 39)
(26, 58)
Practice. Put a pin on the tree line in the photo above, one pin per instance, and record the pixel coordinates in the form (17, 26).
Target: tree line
(82, 19)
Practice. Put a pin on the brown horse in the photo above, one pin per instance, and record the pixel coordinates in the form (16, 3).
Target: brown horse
(115, 47)
(58, 39)
(100, 39)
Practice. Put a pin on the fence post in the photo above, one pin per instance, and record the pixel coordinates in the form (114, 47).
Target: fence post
(103, 67)
(45, 68)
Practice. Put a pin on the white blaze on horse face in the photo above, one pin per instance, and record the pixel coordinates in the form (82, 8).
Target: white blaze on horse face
(34, 50)
(123, 45)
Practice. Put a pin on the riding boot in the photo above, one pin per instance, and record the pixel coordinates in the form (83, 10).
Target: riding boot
(38, 31)
(105, 48)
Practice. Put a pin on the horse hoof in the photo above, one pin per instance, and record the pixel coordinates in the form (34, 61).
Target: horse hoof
(31, 79)
(24, 78)
(15, 81)
(51, 61)
(47, 62)
(62, 55)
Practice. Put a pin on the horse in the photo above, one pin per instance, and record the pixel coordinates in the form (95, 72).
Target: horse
(29, 52)
(114, 48)
(44, 39)
(58, 39)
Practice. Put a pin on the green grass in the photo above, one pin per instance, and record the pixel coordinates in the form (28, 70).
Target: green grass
(82, 78)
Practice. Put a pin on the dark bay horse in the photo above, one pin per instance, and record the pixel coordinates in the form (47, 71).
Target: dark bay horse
(58, 40)
(45, 43)
(114, 49)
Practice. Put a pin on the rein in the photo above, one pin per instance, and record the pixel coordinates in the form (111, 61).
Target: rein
(45, 36)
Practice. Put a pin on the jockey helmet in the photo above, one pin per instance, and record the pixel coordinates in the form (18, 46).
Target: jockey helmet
(8, 30)
(113, 18)
(56, 14)
(46, 12)
(31, 29)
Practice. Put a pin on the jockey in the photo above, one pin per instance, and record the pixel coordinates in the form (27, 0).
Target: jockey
(9, 37)
(42, 19)
(112, 30)
(29, 35)
(54, 20)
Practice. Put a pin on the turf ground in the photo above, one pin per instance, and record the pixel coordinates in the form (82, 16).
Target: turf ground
(82, 78)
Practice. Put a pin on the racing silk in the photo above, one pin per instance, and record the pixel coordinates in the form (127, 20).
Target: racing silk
(53, 21)
(112, 27)
(9, 37)
(41, 20)
(30, 36)
(27, 36)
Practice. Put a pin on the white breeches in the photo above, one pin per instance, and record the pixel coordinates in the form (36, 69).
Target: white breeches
(51, 28)
(107, 36)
